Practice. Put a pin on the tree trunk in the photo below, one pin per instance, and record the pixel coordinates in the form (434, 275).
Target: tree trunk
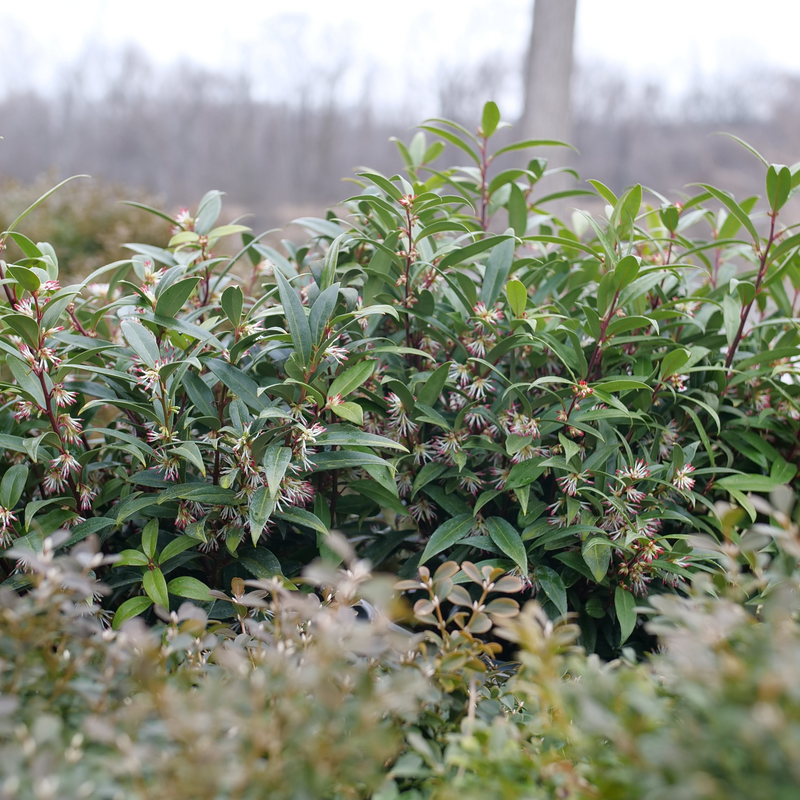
(548, 72)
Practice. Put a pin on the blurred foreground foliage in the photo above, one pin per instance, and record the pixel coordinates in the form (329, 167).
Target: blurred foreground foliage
(296, 698)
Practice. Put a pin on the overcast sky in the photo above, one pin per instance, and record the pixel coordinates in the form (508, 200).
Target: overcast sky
(397, 45)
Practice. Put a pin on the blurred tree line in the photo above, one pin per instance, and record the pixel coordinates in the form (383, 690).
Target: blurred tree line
(173, 133)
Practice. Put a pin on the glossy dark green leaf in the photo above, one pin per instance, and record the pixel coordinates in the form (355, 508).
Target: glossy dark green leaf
(295, 319)
(12, 485)
(190, 588)
(172, 300)
(508, 539)
(446, 535)
(155, 587)
(779, 184)
(232, 302)
(129, 609)
(497, 269)
(625, 606)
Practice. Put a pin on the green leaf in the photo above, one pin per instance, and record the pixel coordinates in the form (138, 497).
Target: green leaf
(200, 394)
(25, 327)
(276, 461)
(351, 412)
(25, 278)
(735, 209)
(382, 182)
(509, 541)
(428, 473)
(571, 449)
(748, 483)
(227, 230)
(623, 324)
(779, 184)
(132, 558)
(454, 140)
(208, 211)
(190, 588)
(184, 237)
(446, 535)
(347, 436)
(85, 529)
(232, 302)
(524, 473)
(670, 217)
(731, 315)
(517, 297)
(432, 387)
(12, 485)
(384, 498)
(491, 116)
(627, 210)
(343, 459)
(351, 379)
(321, 312)
(240, 384)
(625, 606)
(497, 269)
(176, 546)
(141, 341)
(331, 259)
(150, 536)
(604, 192)
(295, 319)
(262, 504)
(626, 271)
(524, 145)
(29, 249)
(172, 300)
(299, 516)
(621, 384)
(191, 452)
(781, 470)
(673, 362)
(155, 587)
(464, 253)
(129, 609)
(596, 552)
(517, 207)
(26, 380)
(553, 587)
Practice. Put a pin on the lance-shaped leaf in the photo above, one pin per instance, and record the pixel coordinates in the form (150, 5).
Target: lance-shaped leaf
(141, 341)
(497, 269)
(189, 587)
(12, 485)
(351, 379)
(129, 609)
(331, 259)
(446, 535)
(295, 319)
(509, 541)
(232, 302)
(276, 461)
(321, 312)
(596, 552)
(155, 587)
(262, 504)
(625, 606)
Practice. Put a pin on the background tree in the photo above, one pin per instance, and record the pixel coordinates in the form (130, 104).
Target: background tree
(547, 113)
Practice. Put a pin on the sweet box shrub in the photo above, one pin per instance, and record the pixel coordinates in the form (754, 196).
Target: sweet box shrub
(564, 403)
